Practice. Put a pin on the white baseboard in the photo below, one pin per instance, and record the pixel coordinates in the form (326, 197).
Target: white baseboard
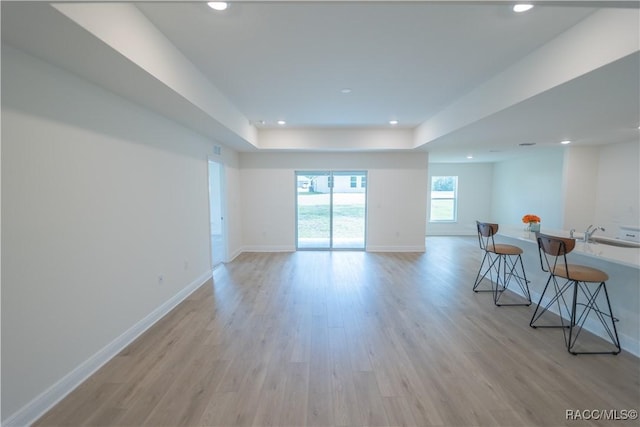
(452, 233)
(284, 248)
(33, 410)
(629, 344)
(418, 248)
(235, 255)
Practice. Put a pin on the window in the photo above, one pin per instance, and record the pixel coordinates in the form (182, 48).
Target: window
(354, 181)
(363, 182)
(444, 198)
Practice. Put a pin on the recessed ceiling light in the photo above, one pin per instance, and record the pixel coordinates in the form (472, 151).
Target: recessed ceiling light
(393, 122)
(281, 122)
(346, 90)
(522, 7)
(469, 156)
(218, 5)
(565, 142)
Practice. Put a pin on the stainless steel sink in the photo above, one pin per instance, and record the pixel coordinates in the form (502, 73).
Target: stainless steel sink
(614, 242)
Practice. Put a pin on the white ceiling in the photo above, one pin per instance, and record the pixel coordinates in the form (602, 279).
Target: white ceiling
(402, 61)
(600, 107)
(406, 61)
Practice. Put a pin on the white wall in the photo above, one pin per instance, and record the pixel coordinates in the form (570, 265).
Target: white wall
(580, 177)
(396, 197)
(571, 187)
(99, 197)
(602, 186)
(474, 196)
(532, 184)
(336, 139)
(618, 186)
(268, 206)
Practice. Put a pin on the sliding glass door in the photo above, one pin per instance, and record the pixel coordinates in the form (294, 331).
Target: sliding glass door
(313, 225)
(331, 209)
(349, 209)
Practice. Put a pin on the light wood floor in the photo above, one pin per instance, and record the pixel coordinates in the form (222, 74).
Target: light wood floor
(349, 339)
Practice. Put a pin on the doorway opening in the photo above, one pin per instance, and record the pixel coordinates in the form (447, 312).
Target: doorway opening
(331, 210)
(216, 213)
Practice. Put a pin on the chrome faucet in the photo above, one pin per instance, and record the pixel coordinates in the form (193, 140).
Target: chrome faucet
(573, 230)
(589, 232)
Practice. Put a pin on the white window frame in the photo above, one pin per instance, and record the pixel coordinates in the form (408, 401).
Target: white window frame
(454, 197)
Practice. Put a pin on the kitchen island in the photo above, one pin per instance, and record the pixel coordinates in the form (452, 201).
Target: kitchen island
(622, 264)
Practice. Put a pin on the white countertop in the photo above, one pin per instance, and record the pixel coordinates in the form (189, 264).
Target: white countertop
(625, 256)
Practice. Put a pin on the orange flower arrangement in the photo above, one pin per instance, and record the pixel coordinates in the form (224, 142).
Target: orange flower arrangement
(529, 218)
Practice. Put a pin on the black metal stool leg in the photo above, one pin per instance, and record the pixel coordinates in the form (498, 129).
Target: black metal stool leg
(573, 318)
(591, 305)
(496, 289)
(479, 278)
(613, 321)
(535, 312)
(559, 295)
(513, 274)
(525, 289)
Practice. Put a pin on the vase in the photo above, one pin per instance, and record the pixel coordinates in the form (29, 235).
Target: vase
(533, 227)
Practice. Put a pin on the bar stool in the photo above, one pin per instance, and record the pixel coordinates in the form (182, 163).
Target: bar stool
(586, 282)
(502, 260)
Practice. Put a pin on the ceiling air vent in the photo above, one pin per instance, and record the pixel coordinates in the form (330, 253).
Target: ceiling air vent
(526, 144)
